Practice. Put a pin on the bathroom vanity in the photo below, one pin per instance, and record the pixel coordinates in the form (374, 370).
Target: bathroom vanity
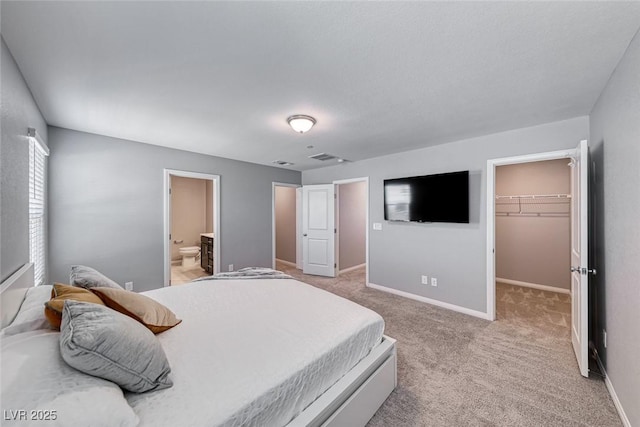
(206, 251)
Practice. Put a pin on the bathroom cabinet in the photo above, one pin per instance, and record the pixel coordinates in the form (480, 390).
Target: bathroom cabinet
(206, 253)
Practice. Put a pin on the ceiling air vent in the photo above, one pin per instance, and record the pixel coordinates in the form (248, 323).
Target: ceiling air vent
(282, 163)
(323, 157)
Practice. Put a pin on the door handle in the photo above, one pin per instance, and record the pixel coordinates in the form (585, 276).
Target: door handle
(583, 270)
(304, 235)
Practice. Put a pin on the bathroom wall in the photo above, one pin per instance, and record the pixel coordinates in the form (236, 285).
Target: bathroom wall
(534, 249)
(188, 212)
(352, 223)
(285, 210)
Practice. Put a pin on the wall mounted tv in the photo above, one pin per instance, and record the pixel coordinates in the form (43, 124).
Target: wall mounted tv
(430, 198)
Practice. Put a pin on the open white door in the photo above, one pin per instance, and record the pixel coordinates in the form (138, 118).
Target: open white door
(580, 257)
(318, 228)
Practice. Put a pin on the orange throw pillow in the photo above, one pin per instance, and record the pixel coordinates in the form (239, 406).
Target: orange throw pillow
(145, 310)
(60, 293)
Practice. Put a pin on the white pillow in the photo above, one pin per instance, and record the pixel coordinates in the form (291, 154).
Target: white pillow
(30, 317)
(36, 379)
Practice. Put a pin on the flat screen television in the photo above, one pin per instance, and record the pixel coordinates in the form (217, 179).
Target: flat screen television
(442, 197)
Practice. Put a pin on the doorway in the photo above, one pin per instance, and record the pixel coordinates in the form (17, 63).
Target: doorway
(191, 226)
(286, 246)
(577, 159)
(332, 234)
(351, 228)
(533, 243)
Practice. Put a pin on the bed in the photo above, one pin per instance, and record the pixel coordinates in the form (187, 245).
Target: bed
(261, 352)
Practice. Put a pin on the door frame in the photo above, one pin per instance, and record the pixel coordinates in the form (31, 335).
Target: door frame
(491, 219)
(166, 229)
(366, 243)
(273, 223)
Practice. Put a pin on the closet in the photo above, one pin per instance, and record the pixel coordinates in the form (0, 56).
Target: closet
(532, 208)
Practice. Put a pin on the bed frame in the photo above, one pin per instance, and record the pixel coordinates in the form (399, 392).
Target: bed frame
(12, 292)
(351, 402)
(356, 397)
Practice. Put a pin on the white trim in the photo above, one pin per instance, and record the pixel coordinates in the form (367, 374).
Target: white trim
(299, 261)
(491, 217)
(614, 395)
(420, 298)
(336, 224)
(365, 179)
(289, 263)
(355, 267)
(273, 220)
(534, 286)
(166, 229)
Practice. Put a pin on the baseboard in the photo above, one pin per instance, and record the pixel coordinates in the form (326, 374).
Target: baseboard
(289, 263)
(355, 267)
(420, 298)
(534, 286)
(612, 392)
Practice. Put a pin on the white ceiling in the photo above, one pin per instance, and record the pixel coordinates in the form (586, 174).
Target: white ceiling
(221, 78)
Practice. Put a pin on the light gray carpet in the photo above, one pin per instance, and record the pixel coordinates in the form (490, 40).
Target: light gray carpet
(457, 370)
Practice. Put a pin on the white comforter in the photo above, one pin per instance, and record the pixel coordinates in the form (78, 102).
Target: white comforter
(253, 352)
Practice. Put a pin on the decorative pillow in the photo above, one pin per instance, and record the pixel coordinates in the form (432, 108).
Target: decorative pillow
(35, 378)
(61, 293)
(87, 277)
(145, 310)
(30, 316)
(101, 342)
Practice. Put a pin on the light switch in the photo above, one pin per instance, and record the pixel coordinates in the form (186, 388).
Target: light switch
(377, 226)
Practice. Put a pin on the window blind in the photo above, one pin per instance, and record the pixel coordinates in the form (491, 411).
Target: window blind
(37, 188)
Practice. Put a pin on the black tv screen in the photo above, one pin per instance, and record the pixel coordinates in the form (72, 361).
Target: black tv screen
(431, 198)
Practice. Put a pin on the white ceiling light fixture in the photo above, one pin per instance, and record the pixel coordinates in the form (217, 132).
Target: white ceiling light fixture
(301, 123)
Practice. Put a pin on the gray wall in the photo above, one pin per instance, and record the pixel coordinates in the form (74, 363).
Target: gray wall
(19, 112)
(454, 253)
(534, 249)
(615, 148)
(285, 204)
(106, 206)
(352, 224)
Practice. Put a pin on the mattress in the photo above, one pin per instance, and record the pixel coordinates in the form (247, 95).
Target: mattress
(254, 352)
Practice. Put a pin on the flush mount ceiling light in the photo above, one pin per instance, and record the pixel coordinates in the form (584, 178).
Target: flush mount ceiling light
(301, 123)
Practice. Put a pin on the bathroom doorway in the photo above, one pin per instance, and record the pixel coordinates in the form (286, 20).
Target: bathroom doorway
(192, 225)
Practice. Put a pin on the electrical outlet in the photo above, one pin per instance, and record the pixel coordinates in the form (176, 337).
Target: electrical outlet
(128, 286)
(434, 281)
(604, 338)
(230, 267)
(425, 280)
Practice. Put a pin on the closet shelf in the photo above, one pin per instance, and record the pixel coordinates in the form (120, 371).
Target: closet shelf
(534, 205)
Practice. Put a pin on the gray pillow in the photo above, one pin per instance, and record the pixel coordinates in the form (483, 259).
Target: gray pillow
(101, 342)
(87, 277)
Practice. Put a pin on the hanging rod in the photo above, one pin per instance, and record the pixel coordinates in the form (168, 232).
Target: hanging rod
(536, 196)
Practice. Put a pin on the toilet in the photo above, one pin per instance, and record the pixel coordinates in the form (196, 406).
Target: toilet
(189, 256)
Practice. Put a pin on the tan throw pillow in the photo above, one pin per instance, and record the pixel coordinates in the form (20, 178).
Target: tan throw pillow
(145, 310)
(60, 293)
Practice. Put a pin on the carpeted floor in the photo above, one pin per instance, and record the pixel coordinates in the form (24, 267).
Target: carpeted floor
(458, 370)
